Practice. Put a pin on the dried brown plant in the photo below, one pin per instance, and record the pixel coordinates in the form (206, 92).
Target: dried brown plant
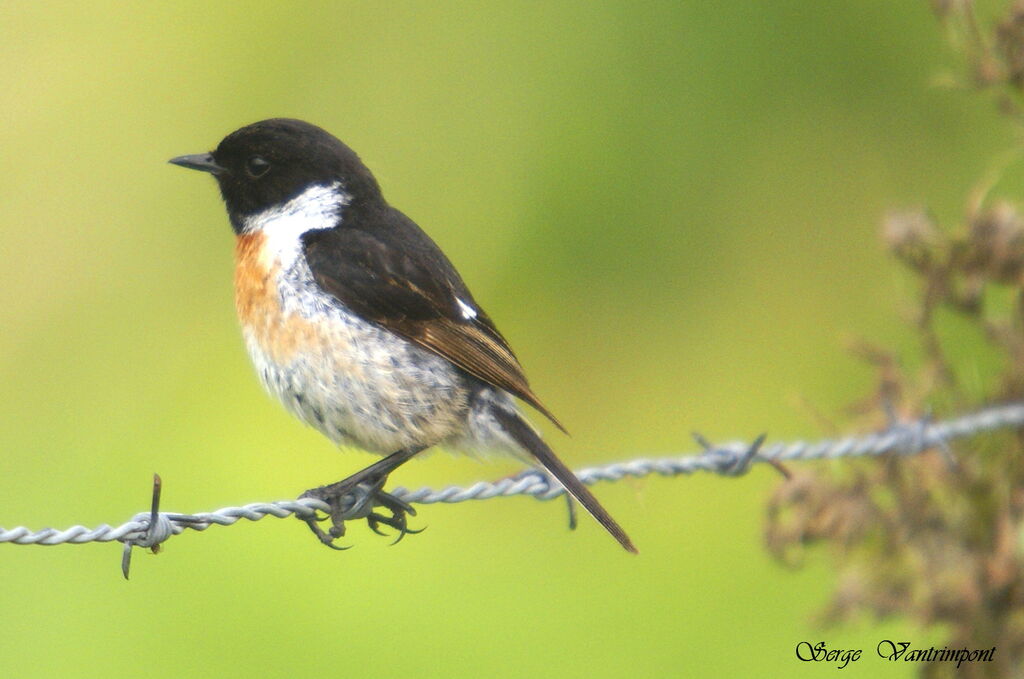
(936, 542)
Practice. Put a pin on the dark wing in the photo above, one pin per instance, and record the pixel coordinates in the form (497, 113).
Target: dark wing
(392, 274)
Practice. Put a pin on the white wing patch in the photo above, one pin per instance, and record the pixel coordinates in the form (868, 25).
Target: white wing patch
(468, 312)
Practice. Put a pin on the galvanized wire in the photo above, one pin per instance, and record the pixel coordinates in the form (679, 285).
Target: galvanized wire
(149, 529)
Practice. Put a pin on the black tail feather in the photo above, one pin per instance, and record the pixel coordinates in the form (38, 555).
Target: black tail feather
(524, 434)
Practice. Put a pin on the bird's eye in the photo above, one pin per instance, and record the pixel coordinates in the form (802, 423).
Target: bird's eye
(257, 166)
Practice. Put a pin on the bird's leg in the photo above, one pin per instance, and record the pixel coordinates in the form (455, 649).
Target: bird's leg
(358, 495)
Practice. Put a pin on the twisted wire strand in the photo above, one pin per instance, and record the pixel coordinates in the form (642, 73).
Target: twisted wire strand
(149, 529)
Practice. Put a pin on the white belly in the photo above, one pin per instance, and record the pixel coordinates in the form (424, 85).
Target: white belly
(360, 384)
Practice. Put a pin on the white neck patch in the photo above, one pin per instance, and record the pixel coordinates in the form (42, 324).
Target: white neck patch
(318, 207)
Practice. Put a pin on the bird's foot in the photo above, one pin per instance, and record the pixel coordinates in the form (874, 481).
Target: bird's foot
(358, 497)
(399, 510)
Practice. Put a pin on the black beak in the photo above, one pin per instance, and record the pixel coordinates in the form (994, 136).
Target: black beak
(203, 162)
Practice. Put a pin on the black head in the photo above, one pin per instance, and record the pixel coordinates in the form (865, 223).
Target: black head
(272, 161)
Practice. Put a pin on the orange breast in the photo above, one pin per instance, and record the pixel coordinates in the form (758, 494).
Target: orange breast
(258, 303)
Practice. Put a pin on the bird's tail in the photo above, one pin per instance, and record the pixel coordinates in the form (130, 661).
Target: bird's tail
(525, 436)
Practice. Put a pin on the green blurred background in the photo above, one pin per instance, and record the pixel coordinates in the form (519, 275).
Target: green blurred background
(671, 209)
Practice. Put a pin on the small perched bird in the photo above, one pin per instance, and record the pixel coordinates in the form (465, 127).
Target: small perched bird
(359, 324)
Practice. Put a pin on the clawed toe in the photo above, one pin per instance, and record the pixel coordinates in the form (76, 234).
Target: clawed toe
(337, 529)
(397, 520)
(325, 538)
(358, 495)
(355, 501)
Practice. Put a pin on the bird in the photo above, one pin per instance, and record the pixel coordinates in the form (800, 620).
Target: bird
(360, 325)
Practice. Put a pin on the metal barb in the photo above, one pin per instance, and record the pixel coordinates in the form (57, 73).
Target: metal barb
(570, 503)
(154, 515)
(731, 463)
(915, 435)
(742, 465)
(780, 468)
(702, 442)
(154, 512)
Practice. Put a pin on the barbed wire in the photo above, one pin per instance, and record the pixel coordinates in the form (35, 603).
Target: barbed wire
(150, 529)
